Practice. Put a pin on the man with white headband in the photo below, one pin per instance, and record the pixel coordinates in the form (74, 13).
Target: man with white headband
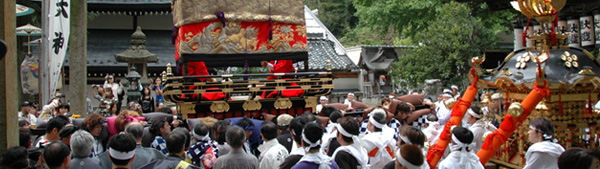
(121, 150)
(203, 152)
(408, 157)
(379, 146)
(478, 126)
(348, 101)
(314, 159)
(272, 153)
(322, 102)
(462, 156)
(143, 154)
(455, 92)
(350, 154)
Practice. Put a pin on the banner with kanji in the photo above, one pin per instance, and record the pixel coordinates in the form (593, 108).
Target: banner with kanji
(58, 37)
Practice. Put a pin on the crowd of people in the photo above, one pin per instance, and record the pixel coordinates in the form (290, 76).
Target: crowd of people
(395, 134)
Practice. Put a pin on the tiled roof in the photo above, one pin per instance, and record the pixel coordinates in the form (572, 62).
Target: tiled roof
(320, 51)
(104, 44)
(316, 27)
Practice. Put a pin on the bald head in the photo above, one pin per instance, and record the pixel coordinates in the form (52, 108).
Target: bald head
(136, 130)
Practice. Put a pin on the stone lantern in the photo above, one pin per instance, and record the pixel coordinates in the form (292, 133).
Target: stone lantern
(133, 87)
(138, 55)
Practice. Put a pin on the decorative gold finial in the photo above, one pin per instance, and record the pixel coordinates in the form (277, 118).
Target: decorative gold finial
(477, 60)
(169, 70)
(505, 72)
(587, 70)
(515, 109)
(328, 65)
(164, 76)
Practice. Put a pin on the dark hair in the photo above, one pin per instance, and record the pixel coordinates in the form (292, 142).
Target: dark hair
(64, 105)
(463, 135)
(326, 111)
(164, 109)
(577, 157)
(55, 154)
(313, 133)
(235, 136)
(219, 130)
(334, 116)
(477, 111)
(122, 143)
(92, 120)
(14, 157)
(402, 107)
(296, 126)
(135, 129)
(175, 142)
(55, 123)
(157, 124)
(269, 130)
(312, 117)
(412, 154)
(23, 123)
(24, 137)
(245, 123)
(416, 136)
(186, 133)
(351, 126)
(67, 131)
(543, 126)
(379, 118)
(201, 129)
(432, 117)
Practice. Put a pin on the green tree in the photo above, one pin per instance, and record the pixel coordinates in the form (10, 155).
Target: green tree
(338, 16)
(446, 46)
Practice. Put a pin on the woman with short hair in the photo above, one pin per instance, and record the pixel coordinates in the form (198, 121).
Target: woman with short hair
(544, 152)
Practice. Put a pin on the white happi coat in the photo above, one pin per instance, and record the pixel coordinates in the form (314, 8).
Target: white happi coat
(461, 160)
(380, 148)
(356, 151)
(543, 155)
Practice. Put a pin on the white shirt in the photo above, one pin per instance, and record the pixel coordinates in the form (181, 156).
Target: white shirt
(272, 154)
(346, 102)
(543, 155)
(29, 118)
(318, 108)
(478, 129)
(461, 160)
(443, 113)
(383, 144)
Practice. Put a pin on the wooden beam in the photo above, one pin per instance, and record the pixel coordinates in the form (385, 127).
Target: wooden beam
(9, 130)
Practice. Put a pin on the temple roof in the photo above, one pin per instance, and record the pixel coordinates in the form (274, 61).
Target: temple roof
(100, 50)
(380, 57)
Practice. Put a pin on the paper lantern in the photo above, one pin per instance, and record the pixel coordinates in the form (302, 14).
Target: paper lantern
(586, 22)
(573, 29)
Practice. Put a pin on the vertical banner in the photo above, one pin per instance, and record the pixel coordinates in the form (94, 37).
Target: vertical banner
(518, 41)
(58, 38)
(586, 22)
(562, 29)
(573, 29)
(597, 26)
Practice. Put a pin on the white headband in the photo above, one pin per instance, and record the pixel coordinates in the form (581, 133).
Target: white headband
(310, 144)
(544, 135)
(446, 95)
(405, 139)
(472, 113)
(375, 123)
(201, 138)
(120, 155)
(342, 131)
(460, 144)
(405, 163)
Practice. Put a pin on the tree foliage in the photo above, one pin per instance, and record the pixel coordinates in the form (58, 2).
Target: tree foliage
(338, 16)
(446, 46)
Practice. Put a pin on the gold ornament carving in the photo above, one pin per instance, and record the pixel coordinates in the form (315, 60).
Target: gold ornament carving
(252, 105)
(219, 107)
(310, 101)
(283, 103)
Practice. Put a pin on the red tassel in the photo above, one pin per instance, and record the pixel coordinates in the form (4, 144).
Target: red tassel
(560, 105)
